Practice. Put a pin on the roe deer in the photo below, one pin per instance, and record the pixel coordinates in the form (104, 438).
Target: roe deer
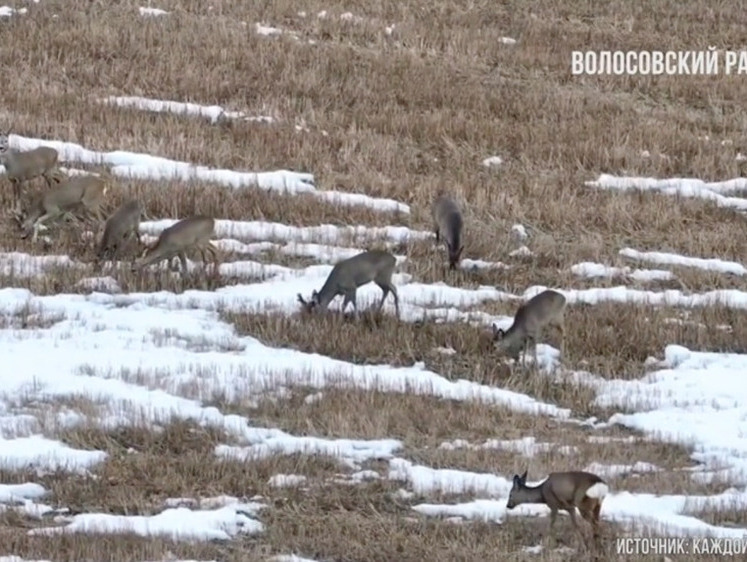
(193, 232)
(346, 276)
(21, 167)
(447, 220)
(79, 193)
(564, 490)
(540, 311)
(120, 227)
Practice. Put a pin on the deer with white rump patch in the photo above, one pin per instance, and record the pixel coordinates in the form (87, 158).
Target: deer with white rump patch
(21, 167)
(346, 276)
(190, 233)
(79, 193)
(447, 221)
(564, 490)
(539, 312)
(120, 227)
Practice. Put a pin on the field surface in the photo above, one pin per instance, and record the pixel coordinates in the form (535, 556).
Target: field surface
(145, 416)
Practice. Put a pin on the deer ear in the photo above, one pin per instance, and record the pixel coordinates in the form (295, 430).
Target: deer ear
(459, 253)
(524, 476)
(517, 480)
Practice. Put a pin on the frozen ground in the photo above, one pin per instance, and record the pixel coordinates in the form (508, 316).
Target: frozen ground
(155, 357)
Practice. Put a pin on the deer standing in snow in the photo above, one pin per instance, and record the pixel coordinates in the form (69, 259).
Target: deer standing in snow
(190, 233)
(530, 320)
(564, 490)
(346, 276)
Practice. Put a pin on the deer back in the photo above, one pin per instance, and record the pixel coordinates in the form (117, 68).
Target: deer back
(27, 165)
(571, 486)
(187, 232)
(125, 219)
(540, 310)
(356, 271)
(448, 217)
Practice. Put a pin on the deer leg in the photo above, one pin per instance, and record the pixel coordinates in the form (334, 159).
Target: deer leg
(393, 290)
(553, 517)
(385, 290)
(572, 512)
(183, 260)
(41, 220)
(17, 196)
(214, 254)
(345, 302)
(561, 327)
(209, 249)
(355, 304)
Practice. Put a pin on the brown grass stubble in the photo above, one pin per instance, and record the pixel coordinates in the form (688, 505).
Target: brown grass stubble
(385, 129)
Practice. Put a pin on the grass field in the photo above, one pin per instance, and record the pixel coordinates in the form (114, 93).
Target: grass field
(237, 427)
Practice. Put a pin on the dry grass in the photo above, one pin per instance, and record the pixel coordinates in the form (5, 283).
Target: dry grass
(391, 115)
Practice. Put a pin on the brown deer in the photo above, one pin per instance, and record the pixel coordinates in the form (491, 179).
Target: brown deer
(447, 221)
(120, 227)
(21, 167)
(564, 490)
(83, 194)
(542, 310)
(190, 233)
(346, 276)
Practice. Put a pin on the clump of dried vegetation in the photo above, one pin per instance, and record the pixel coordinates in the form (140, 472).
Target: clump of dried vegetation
(392, 114)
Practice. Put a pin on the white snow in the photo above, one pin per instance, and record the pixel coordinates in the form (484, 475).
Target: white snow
(212, 112)
(616, 470)
(146, 166)
(519, 232)
(19, 264)
(286, 558)
(286, 480)
(492, 161)
(323, 234)
(682, 187)
(7, 11)
(152, 11)
(473, 265)
(36, 451)
(527, 446)
(508, 40)
(595, 270)
(664, 258)
(266, 29)
(176, 523)
(728, 298)
(521, 252)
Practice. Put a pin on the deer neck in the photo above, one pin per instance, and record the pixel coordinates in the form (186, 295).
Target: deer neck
(532, 494)
(326, 294)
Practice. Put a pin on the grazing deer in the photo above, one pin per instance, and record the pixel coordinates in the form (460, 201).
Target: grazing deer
(193, 232)
(564, 490)
(120, 227)
(540, 311)
(79, 193)
(21, 167)
(447, 220)
(346, 276)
